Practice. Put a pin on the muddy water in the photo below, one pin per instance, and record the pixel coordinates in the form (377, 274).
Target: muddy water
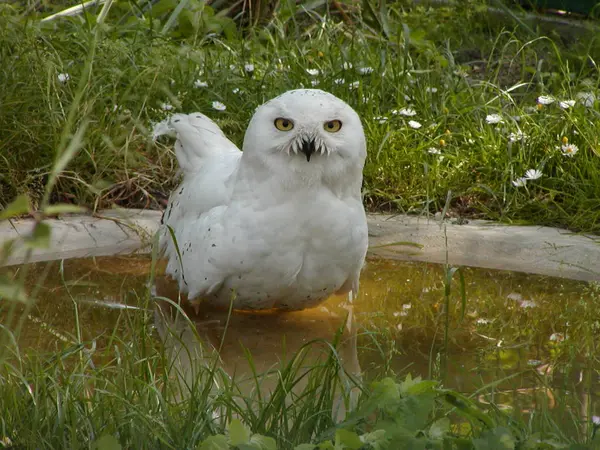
(524, 342)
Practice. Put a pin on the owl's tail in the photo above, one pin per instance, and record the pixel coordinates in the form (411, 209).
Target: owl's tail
(198, 139)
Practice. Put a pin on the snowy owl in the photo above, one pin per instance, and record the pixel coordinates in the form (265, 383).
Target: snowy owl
(280, 225)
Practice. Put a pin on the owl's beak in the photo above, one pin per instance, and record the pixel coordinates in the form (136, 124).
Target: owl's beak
(308, 147)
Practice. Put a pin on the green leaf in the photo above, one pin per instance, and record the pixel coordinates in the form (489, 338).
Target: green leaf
(39, 237)
(260, 442)
(385, 393)
(218, 442)
(327, 445)
(107, 442)
(17, 207)
(439, 428)
(238, 433)
(306, 447)
(63, 208)
(348, 439)
(376, 440)
(497, 439)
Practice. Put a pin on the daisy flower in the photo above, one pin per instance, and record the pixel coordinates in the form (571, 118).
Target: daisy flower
(249, 67)
(347, 66)
(365, 70)
(569, 149)
(431, 90)
(380, 119)
(219, 106)
(533, 174)
(518, 136)
(339, 81)
(408, 112)
(312, 72)
(314, 82)
(566, 104)
(354, 85)
(200, 84)
(414, 124)
(166, 106)
(63, 77)
(519, 182)
(545, 100)
(493, 119)
(434, 151)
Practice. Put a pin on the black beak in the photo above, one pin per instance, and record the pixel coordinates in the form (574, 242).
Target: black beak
(308, 148)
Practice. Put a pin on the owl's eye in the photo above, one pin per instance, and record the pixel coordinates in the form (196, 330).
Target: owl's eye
(283, 124)
(333, 126)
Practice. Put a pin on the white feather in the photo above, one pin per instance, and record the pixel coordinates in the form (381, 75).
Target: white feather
(267, 225)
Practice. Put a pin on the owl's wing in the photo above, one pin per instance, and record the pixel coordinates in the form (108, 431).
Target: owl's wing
(209, 162)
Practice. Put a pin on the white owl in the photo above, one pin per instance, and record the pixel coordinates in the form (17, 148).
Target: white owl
(279, 225)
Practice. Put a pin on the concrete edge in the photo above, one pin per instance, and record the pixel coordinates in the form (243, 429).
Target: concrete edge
(532, 249)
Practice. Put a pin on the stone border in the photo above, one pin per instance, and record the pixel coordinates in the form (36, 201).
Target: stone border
(532, 249)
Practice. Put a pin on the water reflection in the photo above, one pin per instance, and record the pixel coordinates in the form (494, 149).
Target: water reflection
(254, 348)
(522, 342)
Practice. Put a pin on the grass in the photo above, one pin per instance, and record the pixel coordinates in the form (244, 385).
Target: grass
(79, 100)
(453, 67)
(97, 377)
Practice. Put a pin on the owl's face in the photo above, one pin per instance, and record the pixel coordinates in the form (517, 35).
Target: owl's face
(310, 130)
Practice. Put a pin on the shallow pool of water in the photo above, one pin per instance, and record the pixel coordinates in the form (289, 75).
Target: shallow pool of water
(523, 342)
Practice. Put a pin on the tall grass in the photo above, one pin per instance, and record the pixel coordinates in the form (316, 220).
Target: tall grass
(452, 67)
(78, 101)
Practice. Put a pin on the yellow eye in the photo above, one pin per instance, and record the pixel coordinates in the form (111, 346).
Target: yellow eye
(333, 126)
(284, 124)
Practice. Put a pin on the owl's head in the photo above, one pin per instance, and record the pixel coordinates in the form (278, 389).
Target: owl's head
(309, 132)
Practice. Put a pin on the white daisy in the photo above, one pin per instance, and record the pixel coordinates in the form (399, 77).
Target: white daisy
(545, 100)
(314, 82)
(518, 136)
(380, 119)
(569, 149)
(347, 66)
(414, 124)
(431, 90)
(519, 182)
(533, 174)
(166, 106)
(566, 104)
(365, 70)
(200, 84)
(434, 151)
(313, 72)
(354, 85)
(249, 67)
(63, 77)
(339, 81)
(409, 112)
(219, 106)
(494, 118)
(236, 90)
